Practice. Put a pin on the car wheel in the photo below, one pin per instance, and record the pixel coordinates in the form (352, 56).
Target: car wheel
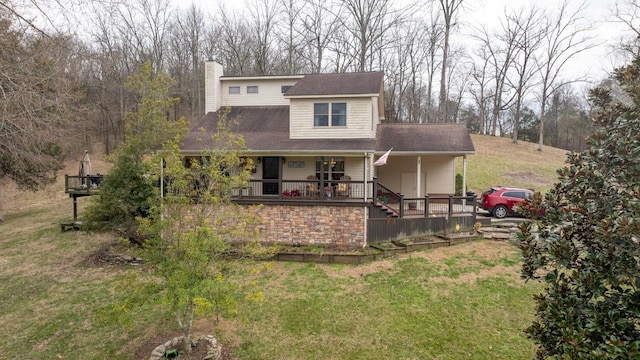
(500, 211)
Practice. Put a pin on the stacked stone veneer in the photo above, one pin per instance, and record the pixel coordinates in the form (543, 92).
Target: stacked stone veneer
(342, 226)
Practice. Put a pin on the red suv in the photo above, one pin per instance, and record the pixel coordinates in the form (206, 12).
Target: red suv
(499, 201)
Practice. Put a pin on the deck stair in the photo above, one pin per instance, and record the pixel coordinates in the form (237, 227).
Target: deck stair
(381, 210)
(500, 231)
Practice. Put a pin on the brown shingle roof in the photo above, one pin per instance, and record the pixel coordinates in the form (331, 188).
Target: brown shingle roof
(338, 84)
(425, 138)
(266, 129)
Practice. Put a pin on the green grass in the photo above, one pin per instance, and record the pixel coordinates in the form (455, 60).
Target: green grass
(498, 161)
(465, 301)
(418, 309)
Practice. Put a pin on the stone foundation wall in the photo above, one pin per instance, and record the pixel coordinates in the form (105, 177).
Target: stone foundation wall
(342, 226)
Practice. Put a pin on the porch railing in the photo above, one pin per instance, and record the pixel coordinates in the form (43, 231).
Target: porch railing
(434, 205)
(306, 189)
(437, 205)
(339, 190)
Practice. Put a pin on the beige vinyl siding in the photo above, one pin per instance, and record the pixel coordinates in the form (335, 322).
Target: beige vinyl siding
(269, 92)
(440, 174)
(354, 167)
(298, 173)
(439, 170)
(359, 117)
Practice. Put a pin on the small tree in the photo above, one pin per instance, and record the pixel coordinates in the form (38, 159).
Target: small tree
(588, 246)
(125, 194)
(192, 228)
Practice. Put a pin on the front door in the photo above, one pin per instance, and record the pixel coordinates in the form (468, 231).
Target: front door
(270, 175)
(409, 186)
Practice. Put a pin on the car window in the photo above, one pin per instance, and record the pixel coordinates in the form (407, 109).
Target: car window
(515, 194)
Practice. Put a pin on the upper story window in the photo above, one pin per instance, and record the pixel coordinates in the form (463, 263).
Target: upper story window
(284, 88)
(252, 89)
(234, 89)
(338, 113)
(321, 114)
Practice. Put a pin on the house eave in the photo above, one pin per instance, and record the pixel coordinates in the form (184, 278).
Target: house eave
(311, 96)
(354, 153)
(266, 77)
(421, 153)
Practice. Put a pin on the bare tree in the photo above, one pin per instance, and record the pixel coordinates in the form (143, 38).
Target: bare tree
(627, 12)
(319, 25)
(235, 41)
(368, 23)
(290, 36)
(500, 49)
(433, 43)
(528, 40)
(567, 35)
(480, 85)
(39, 103)
(449, 12)
(261, 21)
(185, 57)
(143, 28)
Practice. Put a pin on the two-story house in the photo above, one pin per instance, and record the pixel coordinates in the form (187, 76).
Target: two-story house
(314, 139)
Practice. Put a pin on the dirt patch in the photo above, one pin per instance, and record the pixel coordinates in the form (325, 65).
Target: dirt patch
(143, 348)
(529, 178)
(111, 254)
(360, 270)
(470, 278)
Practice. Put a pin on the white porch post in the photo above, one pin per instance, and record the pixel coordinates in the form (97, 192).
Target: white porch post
(418, 177)
(464, 175)
(371, 173)
(366, 159)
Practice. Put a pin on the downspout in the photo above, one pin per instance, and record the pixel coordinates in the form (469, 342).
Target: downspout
(366, 178)
(365, 219)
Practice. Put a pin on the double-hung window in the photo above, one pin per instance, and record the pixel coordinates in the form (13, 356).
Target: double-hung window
(338, 112)
(321, 114)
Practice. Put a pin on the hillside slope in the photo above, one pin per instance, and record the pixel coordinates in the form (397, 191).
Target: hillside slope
(498, 161)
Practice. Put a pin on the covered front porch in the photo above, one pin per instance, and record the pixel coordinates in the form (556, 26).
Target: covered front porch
(352, 177)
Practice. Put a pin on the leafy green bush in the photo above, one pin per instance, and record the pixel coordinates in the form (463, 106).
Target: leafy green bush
(588, 248)
(458, 184)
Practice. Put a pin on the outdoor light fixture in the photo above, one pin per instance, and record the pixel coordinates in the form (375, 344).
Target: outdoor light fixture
(259, 159)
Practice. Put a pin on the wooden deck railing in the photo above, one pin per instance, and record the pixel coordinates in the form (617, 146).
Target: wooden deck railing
(82, 184)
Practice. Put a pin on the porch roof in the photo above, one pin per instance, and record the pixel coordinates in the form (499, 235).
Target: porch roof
(424, 138)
